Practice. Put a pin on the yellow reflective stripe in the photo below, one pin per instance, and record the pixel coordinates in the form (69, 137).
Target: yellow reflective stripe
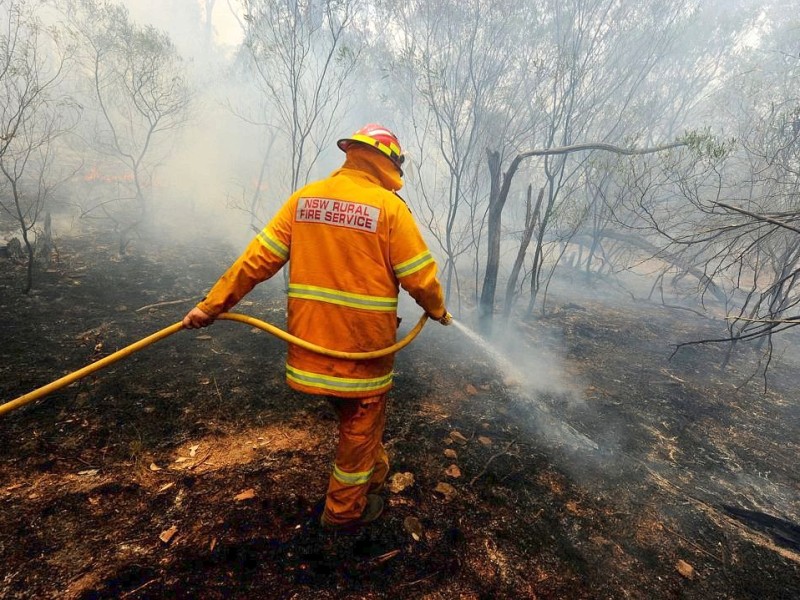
(337, 384)
(390, 151)
(359, 478)
(273, 245)
(413, 265)
(313, 292)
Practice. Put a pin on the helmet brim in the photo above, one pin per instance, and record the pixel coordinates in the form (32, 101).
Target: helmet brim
(344, 143)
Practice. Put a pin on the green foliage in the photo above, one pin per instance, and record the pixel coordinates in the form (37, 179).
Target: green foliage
(706, 145)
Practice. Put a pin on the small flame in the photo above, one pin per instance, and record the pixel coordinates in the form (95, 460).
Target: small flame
(94, 174)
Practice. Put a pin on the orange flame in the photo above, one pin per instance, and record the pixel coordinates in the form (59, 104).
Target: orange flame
(94, 174)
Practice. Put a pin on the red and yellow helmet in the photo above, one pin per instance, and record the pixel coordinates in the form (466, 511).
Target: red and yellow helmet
(378, 137)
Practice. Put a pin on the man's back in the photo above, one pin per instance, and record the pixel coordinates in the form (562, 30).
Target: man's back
(350, 242)
(343, 288)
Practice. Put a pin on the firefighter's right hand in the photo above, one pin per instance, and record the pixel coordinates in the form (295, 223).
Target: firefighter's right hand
(197, 318)
(446, 318)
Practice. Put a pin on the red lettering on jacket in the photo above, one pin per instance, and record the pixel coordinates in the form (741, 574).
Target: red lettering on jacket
(340, 213)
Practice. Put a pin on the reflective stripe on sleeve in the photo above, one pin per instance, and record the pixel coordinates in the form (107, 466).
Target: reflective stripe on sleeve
(337, 384)
(270, 243)
(359, 478)
(413, 265)
(312, 292)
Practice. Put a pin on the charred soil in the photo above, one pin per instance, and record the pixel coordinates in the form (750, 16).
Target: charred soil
(191, 470)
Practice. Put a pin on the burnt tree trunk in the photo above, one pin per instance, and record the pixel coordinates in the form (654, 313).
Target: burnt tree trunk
(531, 217)
(486, 305)
(499, 186)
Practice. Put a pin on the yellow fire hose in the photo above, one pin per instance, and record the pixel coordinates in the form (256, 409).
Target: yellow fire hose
(167, 331)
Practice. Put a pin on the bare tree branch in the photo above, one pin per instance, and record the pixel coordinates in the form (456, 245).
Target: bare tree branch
(756, 216)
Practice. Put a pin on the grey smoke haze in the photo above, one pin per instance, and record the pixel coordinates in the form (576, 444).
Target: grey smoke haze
(450, 112)
(208, 179)
(467, 102)
(479, 93)
(480, 98)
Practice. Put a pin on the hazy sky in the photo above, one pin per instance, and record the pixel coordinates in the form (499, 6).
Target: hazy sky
(178, 17)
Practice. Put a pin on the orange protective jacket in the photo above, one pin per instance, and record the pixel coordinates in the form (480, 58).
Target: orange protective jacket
(350, 242)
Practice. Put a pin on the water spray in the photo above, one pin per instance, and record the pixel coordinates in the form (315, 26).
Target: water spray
(550, 427)
(500, 360)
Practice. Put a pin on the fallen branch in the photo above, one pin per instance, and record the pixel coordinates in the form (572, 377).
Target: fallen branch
(201, 461)
(668, 374)
(138, 589)
(691, 310)
(693, 545)
(422, 580)
(216, 387)
(159, 304)
(491, 458)
(384, 557)
(793, 320)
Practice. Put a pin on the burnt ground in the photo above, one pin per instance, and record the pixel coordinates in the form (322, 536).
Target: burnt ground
(626, 476)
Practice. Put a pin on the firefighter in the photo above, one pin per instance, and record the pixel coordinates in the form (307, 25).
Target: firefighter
(351, 243)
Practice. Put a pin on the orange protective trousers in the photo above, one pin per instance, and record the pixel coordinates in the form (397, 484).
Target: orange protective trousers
(361, 461)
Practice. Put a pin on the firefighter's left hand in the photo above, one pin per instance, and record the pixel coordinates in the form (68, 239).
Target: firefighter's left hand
(197, 318)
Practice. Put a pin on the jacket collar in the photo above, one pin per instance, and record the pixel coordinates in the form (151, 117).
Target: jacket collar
(373, 166)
